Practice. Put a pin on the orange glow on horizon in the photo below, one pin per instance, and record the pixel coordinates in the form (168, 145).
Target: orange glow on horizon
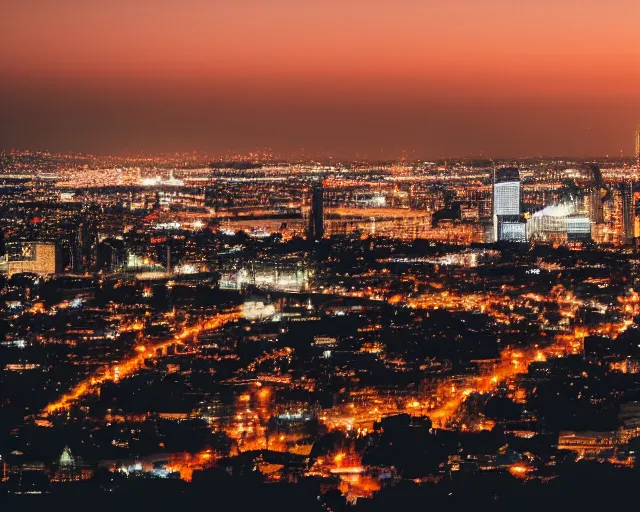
(440, 71)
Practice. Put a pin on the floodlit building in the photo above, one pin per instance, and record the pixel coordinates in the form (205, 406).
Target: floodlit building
(508, 224)
(559, 223)
(316, 215)
(588, 444)
(578, 228)
(70, 468)
(267, 276)
(40, 258)
(256, 308)
(506, 192)
(596, 206)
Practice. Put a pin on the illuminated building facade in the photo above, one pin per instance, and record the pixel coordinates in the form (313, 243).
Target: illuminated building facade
(638, 144)
(37, 258)
(401, 224)
(69, 469)
(506, 192)
(559, 223)
(507, 222)
(513, 231)
(596, 207)
(578, 228)
(268, 276)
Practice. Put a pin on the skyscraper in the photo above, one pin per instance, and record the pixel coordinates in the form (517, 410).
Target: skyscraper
(628, 213)
(599, 195)
(316, 215)
(506, 192)
(86, 241)
(638, 144)
(596, 210)
(507, 221)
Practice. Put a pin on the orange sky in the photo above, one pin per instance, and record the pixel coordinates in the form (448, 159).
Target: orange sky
(348, 78)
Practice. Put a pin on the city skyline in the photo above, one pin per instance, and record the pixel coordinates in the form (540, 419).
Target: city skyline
(319, 256)
(347, 335)
(364, 81)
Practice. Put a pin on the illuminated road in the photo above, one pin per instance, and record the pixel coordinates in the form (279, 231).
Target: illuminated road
(513, 362)
(355, 415)
(134, 362)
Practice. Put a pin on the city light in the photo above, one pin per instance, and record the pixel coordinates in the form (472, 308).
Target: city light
(320, 256)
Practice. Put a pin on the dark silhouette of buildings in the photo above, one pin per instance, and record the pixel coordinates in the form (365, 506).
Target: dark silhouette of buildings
(316, 215)
(85, 247)
(637, 144)
(628, 212)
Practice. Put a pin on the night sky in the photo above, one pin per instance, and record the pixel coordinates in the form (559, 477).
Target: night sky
(349, 79)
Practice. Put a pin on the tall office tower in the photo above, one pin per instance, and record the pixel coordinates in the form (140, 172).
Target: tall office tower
(82, 248)
(506, 192)
(507, 220)
(638, 144)
(316, 215)
(599, 195)
(77, 260)
(86, 246)
(628, 213)
(596, 206)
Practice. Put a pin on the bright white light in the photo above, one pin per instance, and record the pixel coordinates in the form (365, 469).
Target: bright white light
(186, 269)
(150, 182)
(559, 210)
(255, 310)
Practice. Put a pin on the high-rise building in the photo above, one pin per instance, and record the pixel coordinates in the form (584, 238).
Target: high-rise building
(85, 247)
(507, 221)
(316, 215)
(638, 144)
(506, 192)
(628, 213)
(596, 206)
(578, 228)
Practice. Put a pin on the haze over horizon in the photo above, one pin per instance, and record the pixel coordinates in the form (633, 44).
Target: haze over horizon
(371, 79)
